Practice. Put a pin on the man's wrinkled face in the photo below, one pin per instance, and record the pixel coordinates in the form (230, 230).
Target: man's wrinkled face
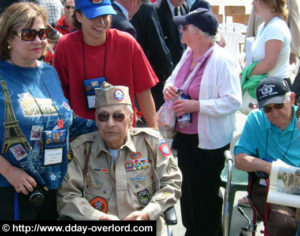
(280, 114)
(113, 123)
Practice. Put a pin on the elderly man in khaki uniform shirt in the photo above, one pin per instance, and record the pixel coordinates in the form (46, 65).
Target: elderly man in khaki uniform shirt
(119, 172)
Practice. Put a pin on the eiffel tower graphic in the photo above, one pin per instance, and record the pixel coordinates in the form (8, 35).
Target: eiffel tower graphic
(12, 133)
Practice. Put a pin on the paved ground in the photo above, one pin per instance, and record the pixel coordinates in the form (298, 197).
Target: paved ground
(238, 221)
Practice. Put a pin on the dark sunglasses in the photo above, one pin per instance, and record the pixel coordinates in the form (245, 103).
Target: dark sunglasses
(104, 116)
(268, 109)
(69, 7)
(30, 34)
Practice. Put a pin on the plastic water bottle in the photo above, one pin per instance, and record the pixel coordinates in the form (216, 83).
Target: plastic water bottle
(184, 120)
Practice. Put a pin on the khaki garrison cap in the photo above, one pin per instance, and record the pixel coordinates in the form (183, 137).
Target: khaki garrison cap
(109, 95)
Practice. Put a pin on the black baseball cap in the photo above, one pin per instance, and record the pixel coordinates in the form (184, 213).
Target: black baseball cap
(271, 90)
(202, 18)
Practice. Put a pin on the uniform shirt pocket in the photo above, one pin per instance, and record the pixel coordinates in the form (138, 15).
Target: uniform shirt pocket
(140, 185)
(98, 185)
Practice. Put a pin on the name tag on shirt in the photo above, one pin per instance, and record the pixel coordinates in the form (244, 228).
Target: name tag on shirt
(89, 87)
(54, 142)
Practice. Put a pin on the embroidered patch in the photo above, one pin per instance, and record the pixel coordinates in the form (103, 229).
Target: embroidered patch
(118, 95)
(144, 197)
(165, 149)
(100, 204)
(31, 109)
(135, 155)
(162, 196)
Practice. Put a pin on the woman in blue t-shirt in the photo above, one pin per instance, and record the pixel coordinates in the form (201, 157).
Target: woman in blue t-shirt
(36, 118)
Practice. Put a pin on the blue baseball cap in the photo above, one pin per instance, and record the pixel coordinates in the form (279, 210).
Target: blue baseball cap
(94, 8)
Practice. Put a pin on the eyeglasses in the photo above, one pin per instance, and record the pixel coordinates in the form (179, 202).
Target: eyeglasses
(117, 116)
(69, 7)
(268, 109)
(30, 34)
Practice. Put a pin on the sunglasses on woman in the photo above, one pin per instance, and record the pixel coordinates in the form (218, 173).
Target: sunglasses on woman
(30, 34)
(117, 116)
(69, 7)
(268, 109)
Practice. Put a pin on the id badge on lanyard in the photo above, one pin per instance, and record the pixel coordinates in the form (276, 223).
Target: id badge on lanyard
(89, 88)
(54, 142)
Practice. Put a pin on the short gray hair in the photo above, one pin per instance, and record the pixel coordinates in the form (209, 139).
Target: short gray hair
(288, 97)
(212, 38)
(129, 108)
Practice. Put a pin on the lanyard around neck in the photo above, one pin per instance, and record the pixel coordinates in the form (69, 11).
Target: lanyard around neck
(60, 122)
(83, 55)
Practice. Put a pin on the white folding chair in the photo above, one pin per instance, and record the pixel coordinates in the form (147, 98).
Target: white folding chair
(233, 44)
(233, 27)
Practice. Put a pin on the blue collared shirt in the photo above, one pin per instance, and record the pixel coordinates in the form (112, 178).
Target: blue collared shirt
(262, 139)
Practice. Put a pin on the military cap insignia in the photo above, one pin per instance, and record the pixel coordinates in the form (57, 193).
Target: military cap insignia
(118, 95)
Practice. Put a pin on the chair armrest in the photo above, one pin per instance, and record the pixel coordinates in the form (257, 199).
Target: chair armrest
(170, 216)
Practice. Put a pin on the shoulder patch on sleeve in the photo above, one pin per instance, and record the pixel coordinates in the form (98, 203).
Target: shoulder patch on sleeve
(165, 149)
